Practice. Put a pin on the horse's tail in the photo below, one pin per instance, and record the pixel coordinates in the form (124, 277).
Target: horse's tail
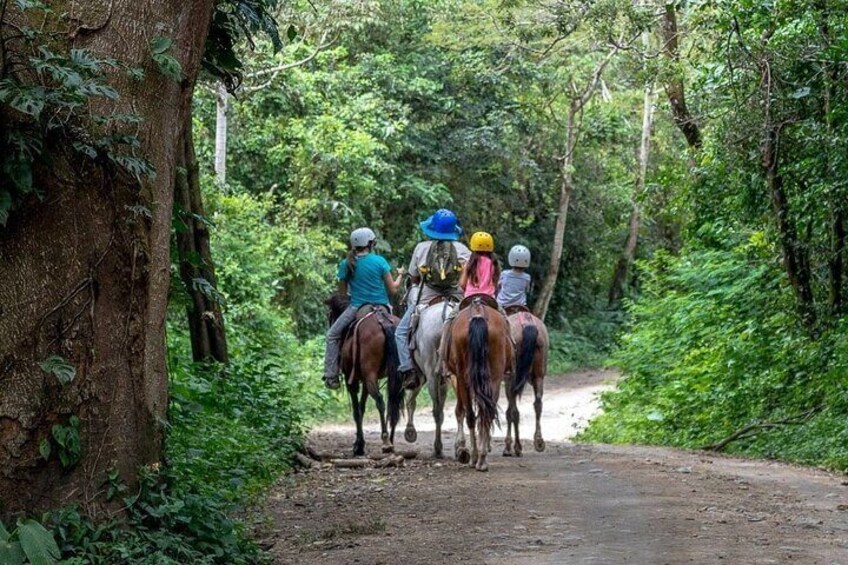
(392, 362)
(529, 338)
(479, 372)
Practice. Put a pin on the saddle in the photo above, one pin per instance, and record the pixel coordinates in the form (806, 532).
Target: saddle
(510, 310)
(379, 312)
(365, 311)
(447, 300)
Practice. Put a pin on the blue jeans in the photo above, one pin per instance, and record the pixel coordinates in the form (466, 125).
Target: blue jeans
(334, 341)
(402, 339)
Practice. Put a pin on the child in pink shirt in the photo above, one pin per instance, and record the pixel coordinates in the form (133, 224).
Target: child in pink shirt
(482, 270)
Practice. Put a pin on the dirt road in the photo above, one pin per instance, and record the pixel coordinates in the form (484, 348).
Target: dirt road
(571, 504)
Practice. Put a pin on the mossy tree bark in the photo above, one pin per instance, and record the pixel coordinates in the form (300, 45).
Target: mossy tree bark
(84, 274)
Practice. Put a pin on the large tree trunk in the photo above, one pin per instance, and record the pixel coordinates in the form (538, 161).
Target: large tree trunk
(85, 273)
(622, 268)
(197, 271)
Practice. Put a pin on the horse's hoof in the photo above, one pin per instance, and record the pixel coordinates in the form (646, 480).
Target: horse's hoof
(463, 456)
(483, 467)
(388, 449)
(507, 453)
(410, 435)
(539, 444)
(438, 455)
(358, 451)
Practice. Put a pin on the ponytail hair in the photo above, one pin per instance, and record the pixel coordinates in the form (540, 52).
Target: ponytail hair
(474, 262)
(351, 261)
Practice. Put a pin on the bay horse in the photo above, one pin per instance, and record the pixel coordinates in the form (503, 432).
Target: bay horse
(369, 353)
(531, 345)
(478, 355)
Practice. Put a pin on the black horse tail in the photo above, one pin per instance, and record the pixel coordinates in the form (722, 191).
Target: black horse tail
(392, 362)
(479, 372)
(529, 337)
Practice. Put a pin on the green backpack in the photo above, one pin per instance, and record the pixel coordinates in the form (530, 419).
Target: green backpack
(441, 269)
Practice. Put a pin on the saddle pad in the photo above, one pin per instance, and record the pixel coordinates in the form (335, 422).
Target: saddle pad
(484, 298)
(510, 310)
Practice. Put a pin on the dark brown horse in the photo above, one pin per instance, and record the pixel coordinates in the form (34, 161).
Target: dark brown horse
(531, 349)
(369, 353)
(478, 356)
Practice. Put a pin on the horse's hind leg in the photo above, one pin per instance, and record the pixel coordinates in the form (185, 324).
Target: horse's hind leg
(358, 410)
(472, 435)
(438, 391)
(538, 389)
(510, 412)
(462, 408)
(409, 434)
(374, 391)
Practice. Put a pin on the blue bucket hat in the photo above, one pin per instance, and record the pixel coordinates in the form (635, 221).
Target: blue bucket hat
(443, 225)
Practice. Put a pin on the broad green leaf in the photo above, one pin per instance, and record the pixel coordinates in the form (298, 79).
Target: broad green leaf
(11, 553)
(159, 45)
(38, 544)
(64, 371)
(4, 533)
(44, 449)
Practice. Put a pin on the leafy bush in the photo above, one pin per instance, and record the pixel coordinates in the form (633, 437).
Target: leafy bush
(586, 341)
(713, 347)
(232, 433)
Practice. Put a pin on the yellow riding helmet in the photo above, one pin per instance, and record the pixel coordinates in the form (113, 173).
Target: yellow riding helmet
(482, 241)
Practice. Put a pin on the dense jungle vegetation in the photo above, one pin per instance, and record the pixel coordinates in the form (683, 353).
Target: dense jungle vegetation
(676, 168)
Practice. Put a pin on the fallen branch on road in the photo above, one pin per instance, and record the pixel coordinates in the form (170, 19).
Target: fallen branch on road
(753, 429)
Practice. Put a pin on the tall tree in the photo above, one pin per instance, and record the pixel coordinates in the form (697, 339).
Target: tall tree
(622, 267)
(579, 97)
(84, 283)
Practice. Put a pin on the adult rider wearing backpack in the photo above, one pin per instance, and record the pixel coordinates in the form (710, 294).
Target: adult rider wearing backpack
(435, 270)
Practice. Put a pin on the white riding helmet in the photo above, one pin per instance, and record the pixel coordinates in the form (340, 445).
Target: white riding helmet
(519, 256)
(362, 237)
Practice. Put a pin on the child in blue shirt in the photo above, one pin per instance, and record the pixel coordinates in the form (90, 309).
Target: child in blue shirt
(367, 277)
(515, 282)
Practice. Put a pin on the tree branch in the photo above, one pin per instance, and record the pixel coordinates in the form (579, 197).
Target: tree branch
(275, 71)
(752, 429)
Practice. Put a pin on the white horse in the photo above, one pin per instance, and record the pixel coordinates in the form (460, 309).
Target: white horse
(431, 320)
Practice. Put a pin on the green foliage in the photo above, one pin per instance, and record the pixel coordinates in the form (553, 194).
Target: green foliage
(162, 524)
(46, 99)
(167, 65)
(61, 369)
(67, 440)
(233, 431)
(585, 341)
(714, 346)
(29, 543)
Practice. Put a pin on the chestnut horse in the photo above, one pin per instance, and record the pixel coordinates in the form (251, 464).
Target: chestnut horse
(479, 354)
(531, 349)
(369, 353)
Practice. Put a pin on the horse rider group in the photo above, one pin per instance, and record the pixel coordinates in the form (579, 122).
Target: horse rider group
(441, 268)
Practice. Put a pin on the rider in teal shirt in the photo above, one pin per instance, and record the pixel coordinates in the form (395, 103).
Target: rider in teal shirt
(369, 283)
(367, 286)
